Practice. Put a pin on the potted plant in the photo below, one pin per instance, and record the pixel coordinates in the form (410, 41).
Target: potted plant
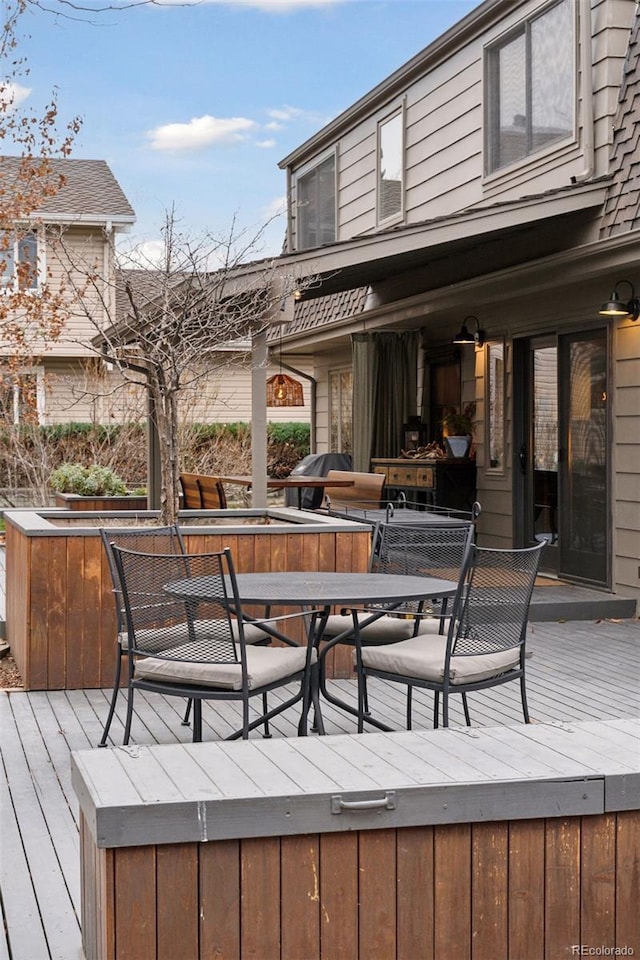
(94, 487)
(458, 429)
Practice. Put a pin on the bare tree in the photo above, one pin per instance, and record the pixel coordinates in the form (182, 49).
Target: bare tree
(165, 327)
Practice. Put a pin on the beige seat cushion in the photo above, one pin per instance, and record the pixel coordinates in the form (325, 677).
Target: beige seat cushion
(386, 629)
(265, 665)
(423, 657)
(169, 636)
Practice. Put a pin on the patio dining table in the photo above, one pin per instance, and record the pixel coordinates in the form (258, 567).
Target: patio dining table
(313, 589)
(288, 483)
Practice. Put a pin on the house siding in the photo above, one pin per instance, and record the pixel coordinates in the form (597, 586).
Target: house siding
(87, 392)
(444, 132)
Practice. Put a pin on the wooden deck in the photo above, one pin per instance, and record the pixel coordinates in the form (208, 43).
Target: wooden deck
(580, 671)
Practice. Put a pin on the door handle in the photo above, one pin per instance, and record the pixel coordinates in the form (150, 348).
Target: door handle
(522, 457)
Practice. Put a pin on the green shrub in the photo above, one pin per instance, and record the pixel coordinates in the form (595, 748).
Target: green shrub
(93, 481)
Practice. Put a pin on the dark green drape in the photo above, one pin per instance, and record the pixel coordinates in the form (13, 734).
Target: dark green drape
(384, 393)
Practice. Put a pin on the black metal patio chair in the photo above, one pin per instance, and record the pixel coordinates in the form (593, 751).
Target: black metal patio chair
(152, 540)
(485, 641)
(429, 550)
(156, 540)
(187, 637)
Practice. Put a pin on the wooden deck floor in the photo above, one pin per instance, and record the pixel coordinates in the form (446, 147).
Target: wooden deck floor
(579, 671)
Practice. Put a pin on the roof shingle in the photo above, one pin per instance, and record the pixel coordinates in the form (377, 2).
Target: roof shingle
(90, 191)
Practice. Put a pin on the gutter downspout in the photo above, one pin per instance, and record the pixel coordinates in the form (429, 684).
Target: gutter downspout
(312, 400)
(586, 75)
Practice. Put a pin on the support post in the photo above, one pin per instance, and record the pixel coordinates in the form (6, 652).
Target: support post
(259, 418)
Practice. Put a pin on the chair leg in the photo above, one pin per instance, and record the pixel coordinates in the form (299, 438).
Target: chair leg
(187, 714)
(445, 708)
(409, 706)
(365, 697)
(127, 725)
(465, 707)
(197, 720)
(265, 709)
(525, 705)
(436, 709)
(362, 700)
(114, 698)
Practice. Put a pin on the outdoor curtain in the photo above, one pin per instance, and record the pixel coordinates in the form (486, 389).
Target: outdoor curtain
(384, 393)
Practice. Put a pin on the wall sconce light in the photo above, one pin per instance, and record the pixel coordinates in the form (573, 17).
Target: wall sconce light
(466, 337)
(617, 307)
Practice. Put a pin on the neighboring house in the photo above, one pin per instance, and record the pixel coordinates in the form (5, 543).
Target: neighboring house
(83, 214)
(221, 392)
(62, 379)
(490, 182)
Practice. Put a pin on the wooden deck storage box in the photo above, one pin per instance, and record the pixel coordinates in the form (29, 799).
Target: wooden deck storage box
(482, 843)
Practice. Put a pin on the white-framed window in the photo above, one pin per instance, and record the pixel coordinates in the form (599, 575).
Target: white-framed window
(316, 204)
(22, 396)
(390, 167)
(530, 87)
(19, 260)
(340, 408)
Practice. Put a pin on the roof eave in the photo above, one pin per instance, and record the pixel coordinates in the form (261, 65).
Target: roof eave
(378, 247)
(85, 219)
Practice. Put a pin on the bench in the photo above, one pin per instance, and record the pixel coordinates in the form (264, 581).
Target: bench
(365, 492)
(411, 844)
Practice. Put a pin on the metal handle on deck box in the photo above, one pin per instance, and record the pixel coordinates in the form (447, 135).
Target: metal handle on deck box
(388, 802)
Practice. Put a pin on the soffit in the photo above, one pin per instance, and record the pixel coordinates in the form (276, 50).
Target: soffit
(451, 249)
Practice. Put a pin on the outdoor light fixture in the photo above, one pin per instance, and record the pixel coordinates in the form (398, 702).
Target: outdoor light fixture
(617, 307)
(466, 337)
(284, 391)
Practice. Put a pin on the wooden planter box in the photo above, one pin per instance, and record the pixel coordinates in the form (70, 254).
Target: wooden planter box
(74, 501)
(60, 618)
(528, 844)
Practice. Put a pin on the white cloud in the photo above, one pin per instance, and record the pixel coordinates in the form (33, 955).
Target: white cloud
(276, 208)
(13, 94)
(280, 116)
(200, 132)
(266, 144)
(147, 255)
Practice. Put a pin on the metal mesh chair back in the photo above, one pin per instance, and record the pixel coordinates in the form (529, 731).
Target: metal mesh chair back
(427, 550)
(148, 540)
(491, 607)
(168, 620)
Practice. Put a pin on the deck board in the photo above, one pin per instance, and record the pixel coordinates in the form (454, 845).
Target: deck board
(580, 671)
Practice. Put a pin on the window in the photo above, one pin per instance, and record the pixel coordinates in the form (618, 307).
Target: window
(390, 167)
(530, 88)
(445, 388)
(18, 260)
(494, 405)
(316, 205)
(20, 398)
(341, 401)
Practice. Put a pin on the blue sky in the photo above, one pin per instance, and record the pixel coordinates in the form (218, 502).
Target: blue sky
(194, 105)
